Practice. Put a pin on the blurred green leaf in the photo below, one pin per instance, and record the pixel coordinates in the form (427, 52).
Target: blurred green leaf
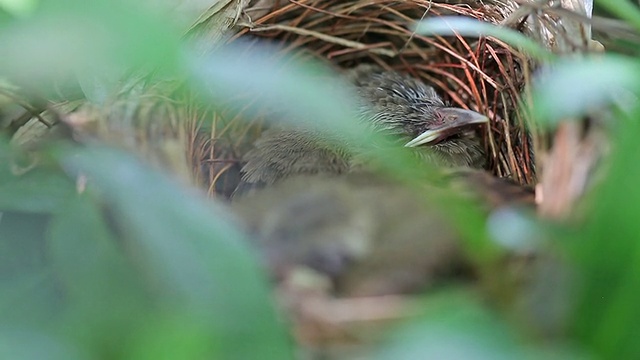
(70, 38)
(299, 93)
(105, 300)
(217, 14)
(29, 293)
(190, 252)
(607, 316)
(35, 191)
(465, 26)
(21, 243)
(19, 8)
(456, 326)
(85, 255)
(29, 298)
(33, 345)
(624, 9)
(99, 285)
(574, 87)
(174, 337)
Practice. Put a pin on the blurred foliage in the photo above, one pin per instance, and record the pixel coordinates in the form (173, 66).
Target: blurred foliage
(133, 267)
(18, 7)
(463, 26)
(456, 327)
(625, 10)
(569, 89)
(101, 257)
(607, 250)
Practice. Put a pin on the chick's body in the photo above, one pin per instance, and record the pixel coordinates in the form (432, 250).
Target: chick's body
(389, 102)
(371, 236)
(282, 152)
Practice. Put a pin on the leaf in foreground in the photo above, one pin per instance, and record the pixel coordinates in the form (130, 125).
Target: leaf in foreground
(190, 252)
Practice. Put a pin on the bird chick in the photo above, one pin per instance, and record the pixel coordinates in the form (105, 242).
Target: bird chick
(392, 103)
(371, 235)
(340, 227)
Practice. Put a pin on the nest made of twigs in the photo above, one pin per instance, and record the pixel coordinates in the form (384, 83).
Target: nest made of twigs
(482, 74)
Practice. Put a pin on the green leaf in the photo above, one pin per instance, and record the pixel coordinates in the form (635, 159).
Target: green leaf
(300, 93)
(19, 8)
(572, 88)
(87, 260)
(34, 345)
(607, 315)
(624, 9)
(465, 26)
(36, 191)
(456, 326)
(29, 299)
(168, 337)
(70, 38)
(105, 300)
(190, 252)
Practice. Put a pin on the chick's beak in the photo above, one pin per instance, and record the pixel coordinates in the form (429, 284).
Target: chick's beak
(455, 121)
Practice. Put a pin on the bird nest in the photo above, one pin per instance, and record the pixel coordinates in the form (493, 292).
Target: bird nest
(482, 74)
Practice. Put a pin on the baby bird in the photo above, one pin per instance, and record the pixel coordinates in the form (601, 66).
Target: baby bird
(369, 234)
(392, 103)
